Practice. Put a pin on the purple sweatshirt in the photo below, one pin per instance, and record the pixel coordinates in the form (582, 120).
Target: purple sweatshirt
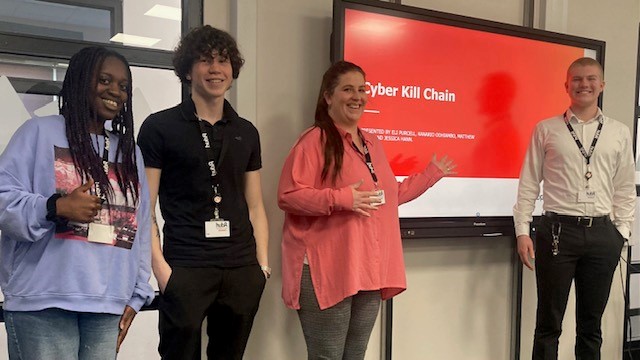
(43, 267)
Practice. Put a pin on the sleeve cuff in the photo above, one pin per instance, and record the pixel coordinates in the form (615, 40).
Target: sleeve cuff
(522, 229)
(137, 302)
(624, 231)
(343, 198)
(433, 171)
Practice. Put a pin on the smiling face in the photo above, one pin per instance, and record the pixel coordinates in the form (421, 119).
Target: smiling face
(111, 88)
(584, 85)
(211, 76)
(347, 100)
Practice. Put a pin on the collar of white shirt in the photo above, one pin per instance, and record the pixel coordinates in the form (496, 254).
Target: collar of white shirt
(575, 120)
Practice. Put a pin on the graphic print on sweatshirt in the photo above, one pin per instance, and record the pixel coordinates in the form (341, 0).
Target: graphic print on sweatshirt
(118, 213)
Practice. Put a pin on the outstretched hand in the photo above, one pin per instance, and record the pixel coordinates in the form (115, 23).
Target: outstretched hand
(79, 205)
(447, 166)
(363, 200)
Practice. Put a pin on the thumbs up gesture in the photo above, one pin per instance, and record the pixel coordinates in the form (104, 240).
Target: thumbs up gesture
(79, 205)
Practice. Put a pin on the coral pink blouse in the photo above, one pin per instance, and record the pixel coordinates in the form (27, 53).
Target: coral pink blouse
(346, 252)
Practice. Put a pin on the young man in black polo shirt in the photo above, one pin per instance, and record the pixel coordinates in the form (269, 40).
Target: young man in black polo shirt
(203, 162)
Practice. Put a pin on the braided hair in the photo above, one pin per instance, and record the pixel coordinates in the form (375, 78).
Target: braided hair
(76, 106)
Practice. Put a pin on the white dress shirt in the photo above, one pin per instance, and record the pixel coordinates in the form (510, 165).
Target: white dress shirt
(554, 156)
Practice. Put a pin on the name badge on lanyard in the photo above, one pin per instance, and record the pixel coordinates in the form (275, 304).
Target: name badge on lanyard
(587, 196)
(379, 198)
(216, 227)
(100, 232)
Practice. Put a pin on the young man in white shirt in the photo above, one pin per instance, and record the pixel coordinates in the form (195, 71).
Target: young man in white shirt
(586, 163)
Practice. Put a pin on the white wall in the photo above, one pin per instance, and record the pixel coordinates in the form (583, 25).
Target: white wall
(458, 302)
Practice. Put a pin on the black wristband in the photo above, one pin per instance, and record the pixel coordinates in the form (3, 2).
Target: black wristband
(52, 211)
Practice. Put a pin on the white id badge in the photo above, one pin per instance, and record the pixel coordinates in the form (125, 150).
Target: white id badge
(379, 198)
(587, 196)
(217, 228)
(101, 233)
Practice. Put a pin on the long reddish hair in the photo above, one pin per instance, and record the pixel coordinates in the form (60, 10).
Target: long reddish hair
(330, 137)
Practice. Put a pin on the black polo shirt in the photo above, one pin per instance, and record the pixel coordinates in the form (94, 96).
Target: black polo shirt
(171, 140)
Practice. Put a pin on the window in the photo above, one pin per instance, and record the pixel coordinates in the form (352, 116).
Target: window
(140, 23)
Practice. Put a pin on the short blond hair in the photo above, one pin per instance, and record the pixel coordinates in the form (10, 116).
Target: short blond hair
(586, 61)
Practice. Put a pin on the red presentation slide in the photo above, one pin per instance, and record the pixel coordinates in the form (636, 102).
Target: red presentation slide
(472, 95)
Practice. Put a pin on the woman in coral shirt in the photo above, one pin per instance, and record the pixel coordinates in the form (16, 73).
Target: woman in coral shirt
(341, 246)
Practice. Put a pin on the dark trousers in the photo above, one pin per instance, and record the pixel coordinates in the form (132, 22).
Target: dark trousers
(228, 297)
(588, 256)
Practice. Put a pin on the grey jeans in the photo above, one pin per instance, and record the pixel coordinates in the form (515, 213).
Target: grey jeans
(340, 332)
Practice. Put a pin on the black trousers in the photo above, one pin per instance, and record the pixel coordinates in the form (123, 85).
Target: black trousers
(228, 297)
(588, 256)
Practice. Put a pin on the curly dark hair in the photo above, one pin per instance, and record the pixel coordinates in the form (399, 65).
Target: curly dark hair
(75, 104)
(332, 142)
(202, 41)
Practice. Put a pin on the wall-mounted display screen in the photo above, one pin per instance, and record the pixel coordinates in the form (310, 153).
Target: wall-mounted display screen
(469, 89)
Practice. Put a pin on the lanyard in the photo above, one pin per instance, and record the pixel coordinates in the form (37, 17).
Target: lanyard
(367, 159)
(211, 164)
(105, 166)
(105, 153)
(586, 155)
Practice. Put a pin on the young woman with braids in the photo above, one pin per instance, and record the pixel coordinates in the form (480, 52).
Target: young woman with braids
(341, 247)
(74, 216)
